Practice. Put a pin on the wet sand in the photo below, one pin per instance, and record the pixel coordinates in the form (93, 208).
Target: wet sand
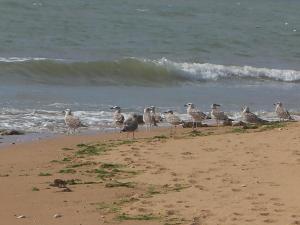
(220, 175)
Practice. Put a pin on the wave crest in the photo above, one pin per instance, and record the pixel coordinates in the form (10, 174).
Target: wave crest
(132, 71)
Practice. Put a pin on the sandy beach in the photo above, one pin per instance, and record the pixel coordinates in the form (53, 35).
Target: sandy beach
(222, 175)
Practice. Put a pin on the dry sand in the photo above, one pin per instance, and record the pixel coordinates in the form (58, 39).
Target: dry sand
(214, 177)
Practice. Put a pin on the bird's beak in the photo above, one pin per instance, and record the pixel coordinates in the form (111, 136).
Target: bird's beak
(185, 105)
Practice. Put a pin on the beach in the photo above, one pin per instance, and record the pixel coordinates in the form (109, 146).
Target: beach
(217, 175)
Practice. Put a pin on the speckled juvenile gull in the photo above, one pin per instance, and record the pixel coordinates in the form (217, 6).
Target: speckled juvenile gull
(250, 117)
(172, 119)
(130, 124)
(156, 117)
(72, 121)
(118, 118)
(196, 114)
(217, 114)
(281, 112)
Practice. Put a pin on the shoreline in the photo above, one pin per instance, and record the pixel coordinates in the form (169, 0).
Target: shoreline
(225, 175)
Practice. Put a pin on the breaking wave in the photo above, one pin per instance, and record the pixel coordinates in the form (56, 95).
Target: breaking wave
(132, 71)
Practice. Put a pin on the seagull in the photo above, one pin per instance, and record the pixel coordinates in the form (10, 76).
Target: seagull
(118, 117)
(148, 118)
(72, 121)
(250, 117)
(172, 119)
(281, 112)
(196, 115)
(130, 124)
(157, 118)
(217, 114)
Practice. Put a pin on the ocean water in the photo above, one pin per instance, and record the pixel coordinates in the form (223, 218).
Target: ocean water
(90, 55)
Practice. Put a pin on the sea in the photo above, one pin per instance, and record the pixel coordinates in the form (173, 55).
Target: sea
(89, 55)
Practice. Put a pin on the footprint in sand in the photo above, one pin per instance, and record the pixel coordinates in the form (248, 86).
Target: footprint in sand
(264, 214)
(191, 181)
(269, 221)
(200, 187)
(196, 221)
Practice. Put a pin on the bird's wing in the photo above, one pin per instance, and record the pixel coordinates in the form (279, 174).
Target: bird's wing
(72, 121)
(119, 118)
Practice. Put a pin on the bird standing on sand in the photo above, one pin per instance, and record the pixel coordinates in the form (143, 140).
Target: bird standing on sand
(281, 112)
(157, 118)
(130, 125)
(250, 117)
(172, 119)
(217, 114)
(71, 121)
(148, 118)
(118, 117)
(197, 115)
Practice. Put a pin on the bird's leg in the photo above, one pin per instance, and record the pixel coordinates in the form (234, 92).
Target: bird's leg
(133, 135)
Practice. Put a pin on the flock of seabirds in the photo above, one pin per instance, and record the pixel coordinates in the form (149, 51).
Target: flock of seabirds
(150, 118)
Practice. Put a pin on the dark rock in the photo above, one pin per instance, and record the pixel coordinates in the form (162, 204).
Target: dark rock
(59, 183)
(190, 125)
(11, 132)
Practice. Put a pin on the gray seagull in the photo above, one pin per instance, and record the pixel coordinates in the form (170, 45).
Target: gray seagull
(130, 125)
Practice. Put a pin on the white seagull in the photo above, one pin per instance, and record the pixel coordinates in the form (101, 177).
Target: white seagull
(148, 118)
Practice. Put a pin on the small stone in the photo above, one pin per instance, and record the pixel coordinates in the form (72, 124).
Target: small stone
(243, 185)
(57, 216)
(21, 217)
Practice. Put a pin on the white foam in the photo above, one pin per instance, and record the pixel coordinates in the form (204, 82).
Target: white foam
(213, 72)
